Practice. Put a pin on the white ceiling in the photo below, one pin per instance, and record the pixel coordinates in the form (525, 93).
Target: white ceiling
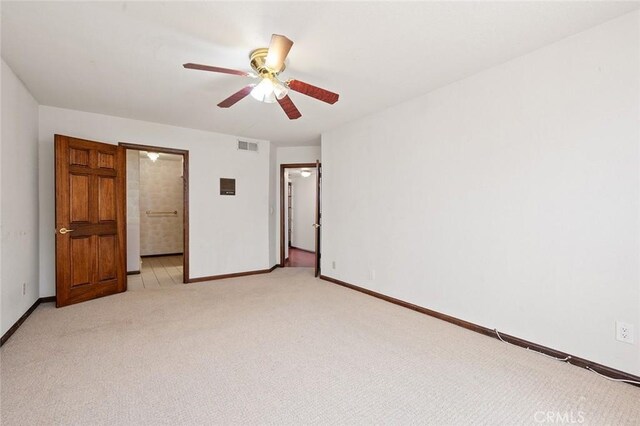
(125, 59)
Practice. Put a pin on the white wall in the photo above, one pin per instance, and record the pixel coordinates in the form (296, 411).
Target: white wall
(161, 190)
(509, 199)
(303, 212)
(19, 191)
(288, 155)
(133, 210)
(273, 179)
(227, 233)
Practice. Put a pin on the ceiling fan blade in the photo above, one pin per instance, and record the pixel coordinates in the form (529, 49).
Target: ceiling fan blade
(313, 91)
(216, 69)
(278, 50)
(239, 95)
(289, 108)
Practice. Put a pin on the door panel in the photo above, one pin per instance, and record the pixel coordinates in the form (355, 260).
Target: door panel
(79, 157)
(81, 267)
(106, 199)
(79, 198)
(107, 250)
(106, 161)
(90, 220)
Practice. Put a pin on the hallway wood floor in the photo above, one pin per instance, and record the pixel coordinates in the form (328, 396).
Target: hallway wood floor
(300, 258)
(156, 272)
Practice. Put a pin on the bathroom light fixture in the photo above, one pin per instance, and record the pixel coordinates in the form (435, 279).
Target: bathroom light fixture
(305, 173)
(153, 156)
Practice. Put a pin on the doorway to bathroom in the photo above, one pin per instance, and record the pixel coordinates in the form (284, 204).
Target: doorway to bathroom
(157, 216)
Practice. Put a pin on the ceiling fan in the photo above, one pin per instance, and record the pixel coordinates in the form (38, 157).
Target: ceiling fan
(268, 63)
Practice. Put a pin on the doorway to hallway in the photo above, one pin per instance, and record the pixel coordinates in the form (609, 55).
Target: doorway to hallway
(300, 217)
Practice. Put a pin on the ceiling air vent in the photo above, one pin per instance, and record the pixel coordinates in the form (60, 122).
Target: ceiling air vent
(247, 146)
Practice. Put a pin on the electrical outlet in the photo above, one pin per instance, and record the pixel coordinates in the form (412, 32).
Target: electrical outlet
(24, 289)
(333, 265)
(624, 332)
(372, 274)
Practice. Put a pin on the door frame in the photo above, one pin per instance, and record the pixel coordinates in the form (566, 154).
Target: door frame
(185, 197)
(289, 210)
(283, 167)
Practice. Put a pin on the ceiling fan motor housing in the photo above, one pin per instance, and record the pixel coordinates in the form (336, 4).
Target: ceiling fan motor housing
(258, 58)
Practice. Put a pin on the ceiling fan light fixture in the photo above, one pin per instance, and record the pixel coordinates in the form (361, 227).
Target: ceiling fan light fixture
(263, 91)
(269, 90)
(279, 89)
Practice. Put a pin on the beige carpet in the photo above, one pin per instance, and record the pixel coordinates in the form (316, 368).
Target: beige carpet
(282, 348)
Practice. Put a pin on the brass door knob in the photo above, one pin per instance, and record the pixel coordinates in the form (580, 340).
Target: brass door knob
(65, 230)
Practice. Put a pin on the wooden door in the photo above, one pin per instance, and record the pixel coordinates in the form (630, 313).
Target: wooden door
(90, 220)
(318, 223)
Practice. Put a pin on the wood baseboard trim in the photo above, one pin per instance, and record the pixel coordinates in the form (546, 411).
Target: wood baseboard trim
(24, 317)
(573, 360)
(233, 275)
(301, 249)
(161, 255)
(133, 272)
